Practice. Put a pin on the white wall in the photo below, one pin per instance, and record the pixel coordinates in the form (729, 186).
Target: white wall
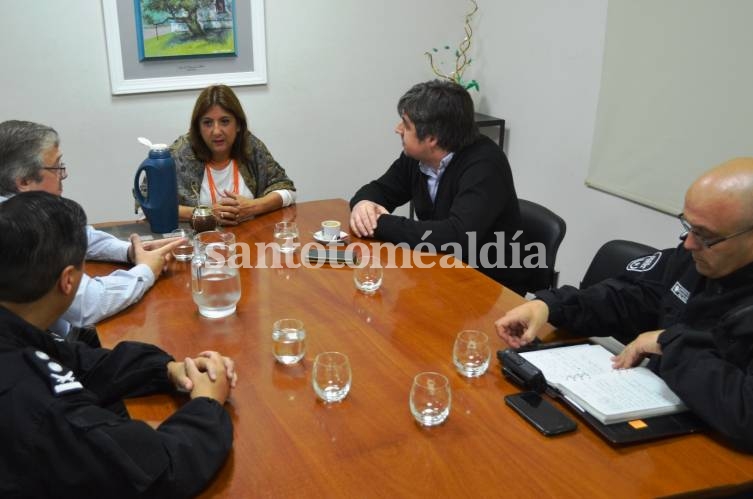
(336, 69)
(541, 70)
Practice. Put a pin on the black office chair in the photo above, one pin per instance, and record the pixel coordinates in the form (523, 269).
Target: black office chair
(541, 225)
(612, 259)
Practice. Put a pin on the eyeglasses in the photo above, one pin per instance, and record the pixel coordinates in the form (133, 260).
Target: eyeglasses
(60, 170)
(706, 242)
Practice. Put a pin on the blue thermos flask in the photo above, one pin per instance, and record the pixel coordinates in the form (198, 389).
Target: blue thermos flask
(161, 202)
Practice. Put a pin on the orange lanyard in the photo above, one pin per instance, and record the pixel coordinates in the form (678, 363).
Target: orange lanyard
(213, 188)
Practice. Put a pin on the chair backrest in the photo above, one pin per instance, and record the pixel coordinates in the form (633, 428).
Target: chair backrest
(612, 259)
(541, 225)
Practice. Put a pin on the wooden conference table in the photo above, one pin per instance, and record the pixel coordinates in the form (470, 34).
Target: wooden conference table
(287, 444)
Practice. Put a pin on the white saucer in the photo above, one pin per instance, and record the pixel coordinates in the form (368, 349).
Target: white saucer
(320, 238)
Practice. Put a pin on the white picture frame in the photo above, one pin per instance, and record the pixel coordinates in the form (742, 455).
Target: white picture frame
(128, 75)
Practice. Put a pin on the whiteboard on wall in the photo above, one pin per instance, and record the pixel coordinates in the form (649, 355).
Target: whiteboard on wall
(676, 96)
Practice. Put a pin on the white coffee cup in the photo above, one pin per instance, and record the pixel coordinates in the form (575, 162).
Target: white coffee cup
(331, 230)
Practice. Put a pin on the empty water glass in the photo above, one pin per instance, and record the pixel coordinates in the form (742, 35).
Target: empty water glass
(368, 274)
(286, 236)
(331, 376)
(471, 353)
(289, 339)
(430, 398)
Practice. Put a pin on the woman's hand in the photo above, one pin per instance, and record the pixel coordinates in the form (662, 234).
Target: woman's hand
(238, 208)
(227, 210)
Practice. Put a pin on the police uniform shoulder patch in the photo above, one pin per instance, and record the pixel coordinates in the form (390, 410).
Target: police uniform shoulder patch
(61, 379)
(680, 292)
(644, 263)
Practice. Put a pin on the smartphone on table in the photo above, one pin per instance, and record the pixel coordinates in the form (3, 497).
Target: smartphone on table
(541, 413)
(332, 255)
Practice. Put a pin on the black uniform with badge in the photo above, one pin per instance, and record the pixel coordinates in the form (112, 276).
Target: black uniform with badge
(63, 436)
(707, 343)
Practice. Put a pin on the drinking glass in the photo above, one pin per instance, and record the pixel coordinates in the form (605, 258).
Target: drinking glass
(184, 252)
(430, 398)
(471, 353)
(286, 236)
(368, 274)
(289, 339)
(331, 376)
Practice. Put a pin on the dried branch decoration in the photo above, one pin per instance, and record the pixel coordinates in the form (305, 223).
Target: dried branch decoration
(462, 61)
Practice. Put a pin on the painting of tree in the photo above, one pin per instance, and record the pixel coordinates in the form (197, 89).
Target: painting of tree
(185, 28)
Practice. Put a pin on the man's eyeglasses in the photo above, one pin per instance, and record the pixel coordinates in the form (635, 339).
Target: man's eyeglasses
(59, 170)
(706, 242)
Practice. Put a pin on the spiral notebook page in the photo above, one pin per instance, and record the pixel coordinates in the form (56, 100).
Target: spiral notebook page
(570, 363)
(584, 374)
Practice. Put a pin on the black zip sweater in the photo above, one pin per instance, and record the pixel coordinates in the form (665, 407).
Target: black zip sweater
(476, 194)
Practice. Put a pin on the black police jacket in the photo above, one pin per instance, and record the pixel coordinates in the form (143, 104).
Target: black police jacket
(707, 343)
(61, 436)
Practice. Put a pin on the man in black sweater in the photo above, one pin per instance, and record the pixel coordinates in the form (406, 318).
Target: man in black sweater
(460, 184)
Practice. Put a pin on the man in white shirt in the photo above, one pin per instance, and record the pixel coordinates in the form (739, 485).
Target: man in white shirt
(30, 160)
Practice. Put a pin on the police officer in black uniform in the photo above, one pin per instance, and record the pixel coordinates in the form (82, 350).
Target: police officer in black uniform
(60, 435)
(689, 308)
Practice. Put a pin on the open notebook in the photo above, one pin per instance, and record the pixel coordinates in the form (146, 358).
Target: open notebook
(583, 375)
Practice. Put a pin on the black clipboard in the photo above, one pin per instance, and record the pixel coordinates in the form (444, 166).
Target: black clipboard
(630, 432)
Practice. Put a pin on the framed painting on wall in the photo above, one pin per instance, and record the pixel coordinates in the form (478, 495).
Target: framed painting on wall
(192, 28)
(161, 45)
